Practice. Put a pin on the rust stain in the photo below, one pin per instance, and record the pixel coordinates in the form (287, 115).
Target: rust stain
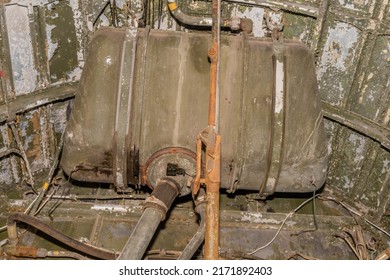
(21, 251)
(36, 150)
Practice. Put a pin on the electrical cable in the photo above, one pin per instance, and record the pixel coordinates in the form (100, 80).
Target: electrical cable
(353, 211)
(23, 154)
(46, 184)
(100, 13)
(281, 226)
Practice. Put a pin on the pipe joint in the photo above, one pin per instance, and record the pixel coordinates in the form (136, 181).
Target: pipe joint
(234, 23)
(163, 195)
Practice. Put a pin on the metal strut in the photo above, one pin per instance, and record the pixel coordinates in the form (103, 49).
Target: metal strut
(210, 141)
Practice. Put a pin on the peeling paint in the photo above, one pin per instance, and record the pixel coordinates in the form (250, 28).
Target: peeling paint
(79, 26)
(9, 166)
(58, 118)
(279, 87)
(28, 3)
(23, 69)
(114, 208)
(52, 46)
(338, 59)
(354, 4)
(337, 62)
(359, 143)
(257, 16)
(166, 23)
(339, 48)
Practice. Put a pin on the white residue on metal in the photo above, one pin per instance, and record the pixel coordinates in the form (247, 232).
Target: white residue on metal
(108, 60)
(386, 119)
(26, 138)
(385, 168)
(271, 182)
(304, 36)
(380, 194)
(166, 23)
(75, 74)
(58, 118)
(359, 143)
(251, 217)
(290, 223)
(17, 202)
(79, 27)
(5, 178)
(27, 3)
(347, 183)
(52, 46)
(23, 69)
(256, 14)
(120, 3)
(329, 128)
(279, 87)
(355, 5)
(137, 6)
(257, 218)
(339, 49)
(183, 47)
(43, 124)
(37, 103)
(112, 208)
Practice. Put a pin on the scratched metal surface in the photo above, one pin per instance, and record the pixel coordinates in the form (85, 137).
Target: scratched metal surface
(43, 43)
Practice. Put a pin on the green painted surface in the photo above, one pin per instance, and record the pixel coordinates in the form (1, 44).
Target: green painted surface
(64, 59)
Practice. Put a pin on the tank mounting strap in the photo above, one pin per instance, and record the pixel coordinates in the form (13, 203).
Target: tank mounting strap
(275, 153)
(123, 108)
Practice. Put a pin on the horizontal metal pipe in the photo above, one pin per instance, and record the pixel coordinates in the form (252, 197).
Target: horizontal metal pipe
(294, 7)
(34, 252)
(234, 23)
(57, 235)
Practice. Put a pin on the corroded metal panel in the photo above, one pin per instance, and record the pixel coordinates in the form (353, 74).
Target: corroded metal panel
(350, 38)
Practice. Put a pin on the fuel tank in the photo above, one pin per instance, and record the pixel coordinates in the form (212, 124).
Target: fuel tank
(143, 99)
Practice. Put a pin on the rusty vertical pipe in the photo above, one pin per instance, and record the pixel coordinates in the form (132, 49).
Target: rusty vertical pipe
(213, 164)
(214, 68)
(213, 55)
(213, 154)
(212, 141)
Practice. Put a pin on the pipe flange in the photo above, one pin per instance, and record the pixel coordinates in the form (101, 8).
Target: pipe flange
(155, 167)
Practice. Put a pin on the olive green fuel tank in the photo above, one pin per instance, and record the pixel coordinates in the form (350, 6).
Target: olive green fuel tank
(143, 99)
